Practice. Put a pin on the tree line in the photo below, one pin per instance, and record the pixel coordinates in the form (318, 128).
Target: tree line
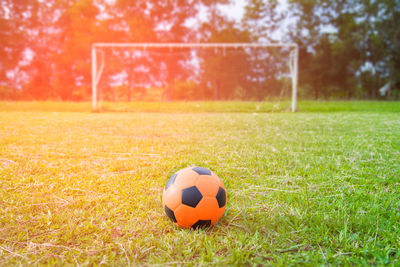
(348, 49)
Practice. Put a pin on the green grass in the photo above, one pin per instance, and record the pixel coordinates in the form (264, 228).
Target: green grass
(205, 106)
(303, 188)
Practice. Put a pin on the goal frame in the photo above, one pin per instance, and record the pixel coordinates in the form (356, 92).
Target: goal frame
(96, 72)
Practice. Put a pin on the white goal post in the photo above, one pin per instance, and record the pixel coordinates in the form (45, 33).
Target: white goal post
(97, 48)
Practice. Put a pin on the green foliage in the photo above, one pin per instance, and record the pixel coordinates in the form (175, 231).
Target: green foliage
(348, 45)
(303, 189)
(6, 93)
(348, 49)
(190, 90)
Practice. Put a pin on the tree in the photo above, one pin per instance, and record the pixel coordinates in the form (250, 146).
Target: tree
(38, 24)
(261, 20)
(222, 70)
(78, 29)
(321, 30)
(358, 39)
(147, 21)
(12, 44)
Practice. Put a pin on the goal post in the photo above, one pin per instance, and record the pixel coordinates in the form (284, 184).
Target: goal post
(98, 55)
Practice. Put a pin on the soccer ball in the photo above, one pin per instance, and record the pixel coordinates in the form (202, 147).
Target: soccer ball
(194, 197)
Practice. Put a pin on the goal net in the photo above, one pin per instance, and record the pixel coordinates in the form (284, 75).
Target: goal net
(193, 71)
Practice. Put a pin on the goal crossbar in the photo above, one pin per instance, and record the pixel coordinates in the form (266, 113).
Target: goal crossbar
(293, 60)
(193, 45)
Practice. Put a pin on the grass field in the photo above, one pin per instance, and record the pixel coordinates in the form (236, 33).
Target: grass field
(201, 107)
(312, 187)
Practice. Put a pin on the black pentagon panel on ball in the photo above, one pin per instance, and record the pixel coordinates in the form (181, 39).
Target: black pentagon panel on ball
(171, 181)
(191, 196)
(221, 197)
(202, 224)
(202, 171)
(170, 214)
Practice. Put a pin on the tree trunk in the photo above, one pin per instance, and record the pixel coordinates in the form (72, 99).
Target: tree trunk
(217, 90)
(316, 93)
(168, 92)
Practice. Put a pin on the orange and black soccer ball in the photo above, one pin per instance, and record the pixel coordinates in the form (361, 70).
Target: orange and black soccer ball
(194, 197)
